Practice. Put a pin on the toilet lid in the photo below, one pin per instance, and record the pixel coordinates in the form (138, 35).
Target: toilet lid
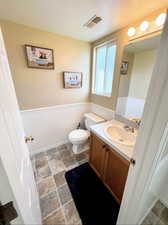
(78, 134)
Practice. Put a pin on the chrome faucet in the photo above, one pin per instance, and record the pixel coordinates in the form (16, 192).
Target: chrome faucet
(137, 121)
(132, 128)
(129, 128)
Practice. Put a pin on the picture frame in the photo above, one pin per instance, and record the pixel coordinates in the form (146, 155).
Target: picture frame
(124, 67)
(72, 79)
(39, 57)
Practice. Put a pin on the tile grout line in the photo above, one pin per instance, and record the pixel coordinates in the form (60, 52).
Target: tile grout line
(51, 213)
(66, 222)
(62, 207)
(66, 168)
(44, 195)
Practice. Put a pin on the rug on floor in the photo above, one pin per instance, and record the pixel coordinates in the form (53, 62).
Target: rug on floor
(94, 202)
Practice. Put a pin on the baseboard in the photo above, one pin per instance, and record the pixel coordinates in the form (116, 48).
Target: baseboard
(147, 212)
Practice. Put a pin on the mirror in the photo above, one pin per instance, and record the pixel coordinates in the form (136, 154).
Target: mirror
(136, 72)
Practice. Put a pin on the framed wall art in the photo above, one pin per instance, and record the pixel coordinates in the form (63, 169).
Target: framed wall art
(72, 79)
(124, 67)
(39, 57)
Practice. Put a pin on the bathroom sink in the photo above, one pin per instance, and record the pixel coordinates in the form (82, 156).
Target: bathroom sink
(120, 135)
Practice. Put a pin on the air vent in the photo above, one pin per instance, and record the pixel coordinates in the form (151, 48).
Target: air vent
(93, 21)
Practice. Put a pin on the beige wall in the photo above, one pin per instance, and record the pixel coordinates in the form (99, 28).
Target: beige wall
(125, 79)
(41, 88)
(122, 40)
(141, 73)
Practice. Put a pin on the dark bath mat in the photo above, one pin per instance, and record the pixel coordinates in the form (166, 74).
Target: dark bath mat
(95, 204)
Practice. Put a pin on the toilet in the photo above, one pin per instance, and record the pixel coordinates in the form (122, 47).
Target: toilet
(79, 137)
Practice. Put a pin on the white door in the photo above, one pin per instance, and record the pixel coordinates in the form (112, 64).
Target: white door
(6, 195)
(142, 189)
(14, 154)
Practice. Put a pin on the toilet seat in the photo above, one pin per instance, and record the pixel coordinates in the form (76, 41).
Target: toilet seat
(78, 135)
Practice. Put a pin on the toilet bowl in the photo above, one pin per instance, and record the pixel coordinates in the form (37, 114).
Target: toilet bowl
(79, 137)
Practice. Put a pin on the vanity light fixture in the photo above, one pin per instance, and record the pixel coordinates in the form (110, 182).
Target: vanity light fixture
(131, 31)
(143, 29)
(160, 20)
(144, 26)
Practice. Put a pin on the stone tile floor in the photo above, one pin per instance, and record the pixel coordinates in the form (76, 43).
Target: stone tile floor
(57, 205)
(158, 215)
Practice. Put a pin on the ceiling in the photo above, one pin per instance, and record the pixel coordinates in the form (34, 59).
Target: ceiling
(67, 17)
(144, 45)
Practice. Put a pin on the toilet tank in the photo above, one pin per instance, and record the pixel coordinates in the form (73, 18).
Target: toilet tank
(91, 119)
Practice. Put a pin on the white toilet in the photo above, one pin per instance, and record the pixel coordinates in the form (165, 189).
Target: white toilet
(79, 137)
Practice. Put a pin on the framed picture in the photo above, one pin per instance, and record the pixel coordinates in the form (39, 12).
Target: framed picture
(72, 79)
(124, 67)
(38, 57)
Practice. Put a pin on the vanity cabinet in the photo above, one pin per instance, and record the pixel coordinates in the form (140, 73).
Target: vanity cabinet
(97, 155)
(110, 166)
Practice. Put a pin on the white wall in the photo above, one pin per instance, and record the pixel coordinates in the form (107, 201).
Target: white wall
(121, 105)
(107, 114)
(134, 107)
(50, 126)
(130, 107)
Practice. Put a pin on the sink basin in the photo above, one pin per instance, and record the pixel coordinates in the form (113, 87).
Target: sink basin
(120, 135)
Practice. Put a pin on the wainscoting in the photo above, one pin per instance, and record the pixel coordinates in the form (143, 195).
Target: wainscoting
(130, 107)
(106, 113)
(50, 126)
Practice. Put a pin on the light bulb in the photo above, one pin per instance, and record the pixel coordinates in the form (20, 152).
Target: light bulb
(131, 31)
(144, 26)
(160, 20)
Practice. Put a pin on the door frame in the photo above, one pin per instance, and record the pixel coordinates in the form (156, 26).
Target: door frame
(147, 147)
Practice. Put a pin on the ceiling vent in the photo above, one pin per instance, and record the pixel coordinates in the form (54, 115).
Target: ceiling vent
(93, 21)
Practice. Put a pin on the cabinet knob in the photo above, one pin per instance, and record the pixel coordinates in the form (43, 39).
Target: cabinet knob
(104, 146)
(133, 161)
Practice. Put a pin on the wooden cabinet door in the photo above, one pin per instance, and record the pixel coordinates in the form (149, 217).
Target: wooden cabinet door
(115, 173)
(97, 155)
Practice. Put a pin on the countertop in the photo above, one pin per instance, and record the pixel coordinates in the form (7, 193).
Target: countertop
(98, 129)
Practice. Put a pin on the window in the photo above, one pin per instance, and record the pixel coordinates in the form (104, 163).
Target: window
(103, 71)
